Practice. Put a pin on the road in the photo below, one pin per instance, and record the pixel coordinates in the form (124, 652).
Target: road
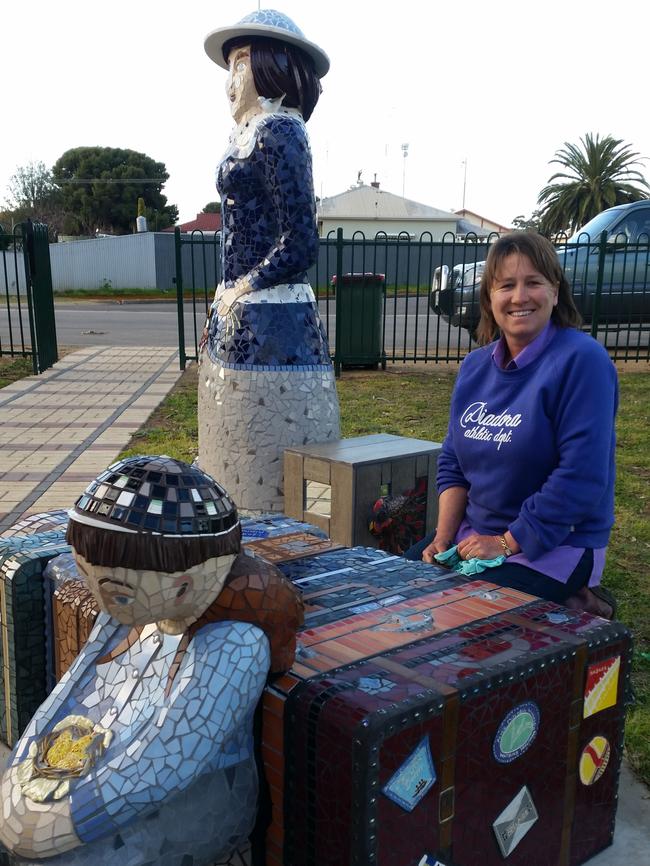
(112, 323)
(155, 324)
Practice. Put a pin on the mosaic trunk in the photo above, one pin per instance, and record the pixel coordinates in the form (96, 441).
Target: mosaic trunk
(25, 628)
(427, 717)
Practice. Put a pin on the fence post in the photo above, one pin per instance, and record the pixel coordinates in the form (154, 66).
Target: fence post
(338, 305)
(40, 297)
(595, 309)
(182, 357)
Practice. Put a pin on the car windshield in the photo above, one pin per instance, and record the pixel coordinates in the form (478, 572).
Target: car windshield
(593, 228)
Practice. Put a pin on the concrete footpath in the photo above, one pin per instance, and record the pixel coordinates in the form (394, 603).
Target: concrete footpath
(59, 430)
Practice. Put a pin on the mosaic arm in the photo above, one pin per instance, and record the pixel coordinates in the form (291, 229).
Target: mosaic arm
(204, 725)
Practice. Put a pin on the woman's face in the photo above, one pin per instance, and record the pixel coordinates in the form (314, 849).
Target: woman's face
(522, 301)
(240, 86)
(135, 597)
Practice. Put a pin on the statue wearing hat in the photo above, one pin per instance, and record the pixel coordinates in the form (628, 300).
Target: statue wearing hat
(143, 753)
(266, 381)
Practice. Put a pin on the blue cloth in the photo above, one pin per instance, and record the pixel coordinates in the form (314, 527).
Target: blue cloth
(467, 567)
(534, 447)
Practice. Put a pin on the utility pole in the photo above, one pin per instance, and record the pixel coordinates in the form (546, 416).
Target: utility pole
(405, 152)
(464, 180)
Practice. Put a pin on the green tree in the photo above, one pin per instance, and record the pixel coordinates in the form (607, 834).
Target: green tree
(100, 186)
(33, 193)
(212, 207)
(531, 223)
(597, 174)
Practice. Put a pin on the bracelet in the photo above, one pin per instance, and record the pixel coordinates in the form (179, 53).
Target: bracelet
(504, 545)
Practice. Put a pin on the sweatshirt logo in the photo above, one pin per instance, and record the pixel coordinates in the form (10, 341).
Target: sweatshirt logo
(486, 426)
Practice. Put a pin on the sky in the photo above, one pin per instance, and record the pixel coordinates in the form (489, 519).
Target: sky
(484, 94)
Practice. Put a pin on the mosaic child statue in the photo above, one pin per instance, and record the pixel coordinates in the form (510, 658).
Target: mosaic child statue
(266, 381)
(143, 754)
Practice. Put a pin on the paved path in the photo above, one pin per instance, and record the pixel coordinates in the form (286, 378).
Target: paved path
(61, 429)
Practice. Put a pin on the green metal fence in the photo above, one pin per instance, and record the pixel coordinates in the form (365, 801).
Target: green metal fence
(431, 290)
(27, 326)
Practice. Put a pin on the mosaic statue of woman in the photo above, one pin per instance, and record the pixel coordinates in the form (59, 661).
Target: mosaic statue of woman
(266, 380)
(143, 754)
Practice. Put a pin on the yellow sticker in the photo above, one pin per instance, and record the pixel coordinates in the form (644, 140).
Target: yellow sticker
(594, 760)
(601, 688)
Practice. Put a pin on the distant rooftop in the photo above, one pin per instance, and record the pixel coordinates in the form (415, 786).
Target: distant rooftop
(369, 202)
(205, 222)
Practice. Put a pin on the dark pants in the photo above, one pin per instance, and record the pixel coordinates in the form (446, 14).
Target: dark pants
(525, 579)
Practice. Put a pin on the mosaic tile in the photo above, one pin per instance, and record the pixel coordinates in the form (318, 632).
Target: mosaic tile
(149, 734)
(266, 379)
(515, 821)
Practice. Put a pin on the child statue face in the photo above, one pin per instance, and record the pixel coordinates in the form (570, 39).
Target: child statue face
(240, 86)
(137, 597)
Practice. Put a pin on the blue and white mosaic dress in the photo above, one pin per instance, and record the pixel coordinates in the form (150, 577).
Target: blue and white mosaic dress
(177, 785)
(266, 381)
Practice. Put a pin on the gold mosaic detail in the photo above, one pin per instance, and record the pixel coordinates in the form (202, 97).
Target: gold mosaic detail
(68, 752)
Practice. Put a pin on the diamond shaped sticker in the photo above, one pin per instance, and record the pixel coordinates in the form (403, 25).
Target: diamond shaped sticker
(408, 784)
(515, 821)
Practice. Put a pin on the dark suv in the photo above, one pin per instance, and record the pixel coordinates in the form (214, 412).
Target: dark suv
(624, 259)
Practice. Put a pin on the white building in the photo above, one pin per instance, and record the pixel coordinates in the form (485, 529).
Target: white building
(370, 210)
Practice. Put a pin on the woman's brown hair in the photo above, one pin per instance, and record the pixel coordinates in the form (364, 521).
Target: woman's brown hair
(544, 259)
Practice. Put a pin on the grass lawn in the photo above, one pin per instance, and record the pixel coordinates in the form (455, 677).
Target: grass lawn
(12, 369)
(416, 404)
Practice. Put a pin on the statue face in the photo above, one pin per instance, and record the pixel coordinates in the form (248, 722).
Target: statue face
(135, 597)
(240, 86)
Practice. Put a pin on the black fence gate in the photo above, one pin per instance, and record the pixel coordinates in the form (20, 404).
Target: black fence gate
(27, 325)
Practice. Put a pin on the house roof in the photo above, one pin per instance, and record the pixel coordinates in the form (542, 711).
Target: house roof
(367, 202)
(477, 219)
(204, 222)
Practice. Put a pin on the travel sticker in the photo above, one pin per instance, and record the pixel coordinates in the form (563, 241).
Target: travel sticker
(594, 760)
(516, 732)
(515, 821)
(601, 687)
(408, 785)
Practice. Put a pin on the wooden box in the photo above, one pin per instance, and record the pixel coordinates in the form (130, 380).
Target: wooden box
(335, 484)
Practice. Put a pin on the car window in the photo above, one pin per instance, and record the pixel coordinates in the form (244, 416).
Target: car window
(634, 228)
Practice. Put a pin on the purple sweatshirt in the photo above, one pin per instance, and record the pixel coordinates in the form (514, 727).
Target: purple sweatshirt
(534, 446)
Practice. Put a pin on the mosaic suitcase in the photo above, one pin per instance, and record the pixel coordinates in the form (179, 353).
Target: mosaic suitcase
(272, 525)
(442, 721)
(74, 611)
(25, 627)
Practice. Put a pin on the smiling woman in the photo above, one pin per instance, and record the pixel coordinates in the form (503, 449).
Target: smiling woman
(526, 474)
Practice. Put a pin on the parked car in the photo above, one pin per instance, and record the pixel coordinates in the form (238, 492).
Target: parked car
(625, 260)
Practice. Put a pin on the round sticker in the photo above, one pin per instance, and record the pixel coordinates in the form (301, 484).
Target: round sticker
(516, 732)
(594, 760)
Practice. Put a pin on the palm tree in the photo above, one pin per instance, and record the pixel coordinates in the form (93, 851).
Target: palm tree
(599, 174)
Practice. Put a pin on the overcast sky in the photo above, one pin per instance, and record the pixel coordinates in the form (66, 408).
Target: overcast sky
(501, 84)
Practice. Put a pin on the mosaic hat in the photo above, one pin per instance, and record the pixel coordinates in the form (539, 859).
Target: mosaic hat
(269, 24)
(153, 512)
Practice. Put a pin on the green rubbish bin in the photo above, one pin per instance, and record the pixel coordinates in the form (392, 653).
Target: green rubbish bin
(359, 312)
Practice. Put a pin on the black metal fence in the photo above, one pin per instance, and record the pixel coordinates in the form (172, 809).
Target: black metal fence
(429, 306)
(27, 326)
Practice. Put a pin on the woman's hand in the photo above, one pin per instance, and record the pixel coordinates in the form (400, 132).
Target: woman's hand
(482, 547)
(438, 545)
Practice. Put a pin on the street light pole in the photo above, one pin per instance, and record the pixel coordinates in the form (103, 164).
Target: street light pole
(405, 152)
(464, 180)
